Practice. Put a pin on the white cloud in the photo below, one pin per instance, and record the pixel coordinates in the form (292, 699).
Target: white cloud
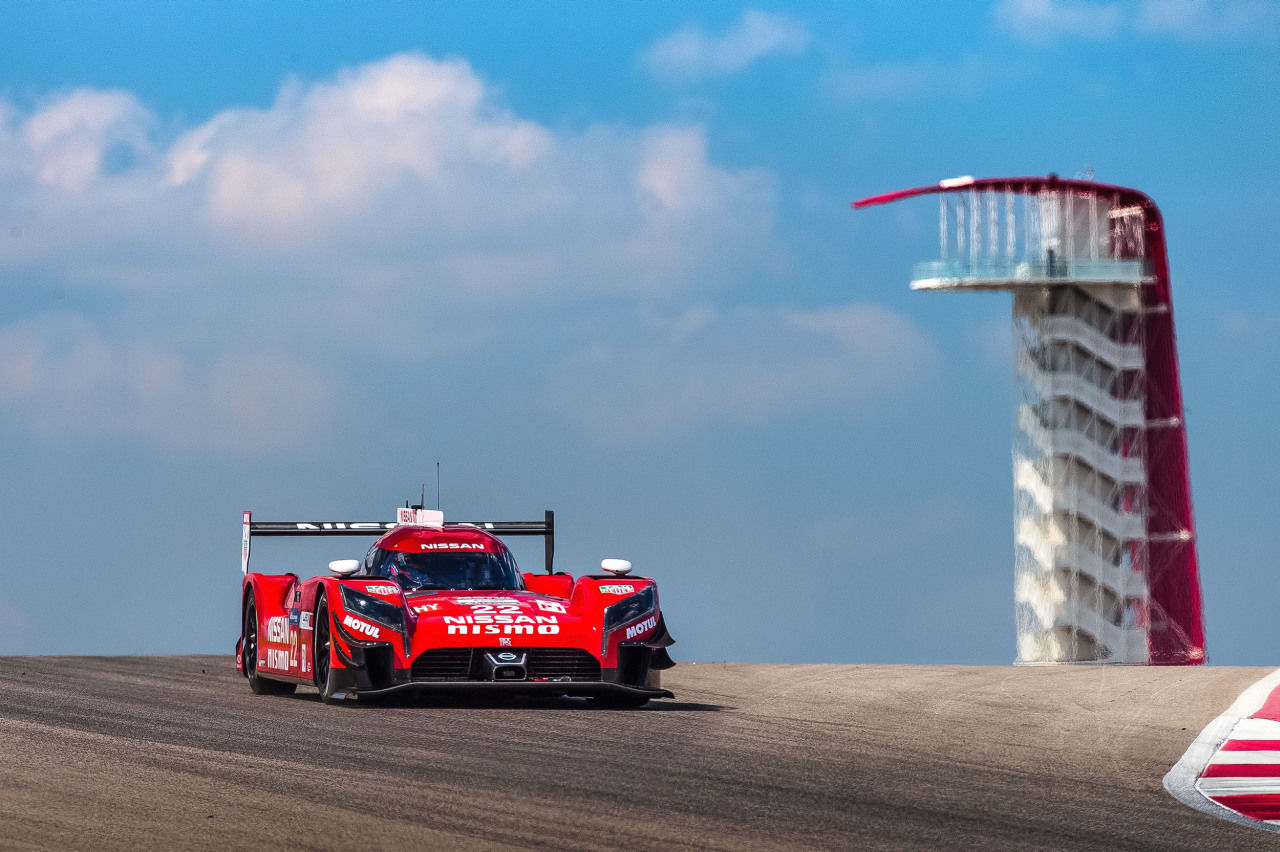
(326, 151)
(692, 53)
(63, 378)
(386, 170)
(269, 261)
(69, 138)
(890, 80)
(1042, 22)
(388, 211)
(1210, 19)
(745, 367)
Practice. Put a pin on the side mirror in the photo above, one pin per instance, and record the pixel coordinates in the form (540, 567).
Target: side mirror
(616, 567)
(344, 567)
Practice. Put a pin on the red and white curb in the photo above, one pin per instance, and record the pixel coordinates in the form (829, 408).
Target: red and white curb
(1232, 770)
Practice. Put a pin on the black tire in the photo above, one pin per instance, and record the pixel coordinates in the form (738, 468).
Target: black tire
(249, 651)
(321, 641)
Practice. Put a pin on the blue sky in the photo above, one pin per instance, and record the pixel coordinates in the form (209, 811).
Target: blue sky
(597, 258)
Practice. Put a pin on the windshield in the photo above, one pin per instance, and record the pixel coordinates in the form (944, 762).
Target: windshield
(446, 570)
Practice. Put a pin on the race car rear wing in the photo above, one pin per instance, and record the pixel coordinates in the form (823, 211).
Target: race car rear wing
(250, 528)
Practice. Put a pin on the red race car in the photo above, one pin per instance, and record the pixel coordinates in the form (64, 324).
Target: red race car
(442, 606)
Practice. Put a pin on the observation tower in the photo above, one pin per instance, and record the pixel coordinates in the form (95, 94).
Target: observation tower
(1105, 566)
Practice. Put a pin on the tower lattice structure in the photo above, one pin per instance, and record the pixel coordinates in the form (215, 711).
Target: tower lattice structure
(1105, 565)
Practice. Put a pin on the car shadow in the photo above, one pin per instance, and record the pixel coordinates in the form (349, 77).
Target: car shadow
(459, 701)
(687, 706)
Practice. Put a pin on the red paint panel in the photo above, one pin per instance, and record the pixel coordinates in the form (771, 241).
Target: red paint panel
(1177, 634)
(1258, 805)
(1241, 770)
(440, 539)
(1020, 185)
(1251, 745)
(1270, 708)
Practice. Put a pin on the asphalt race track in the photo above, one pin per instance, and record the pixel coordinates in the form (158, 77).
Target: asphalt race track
(175, 753)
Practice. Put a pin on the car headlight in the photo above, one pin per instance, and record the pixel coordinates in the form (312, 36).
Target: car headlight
(365, 606)
(630, 608)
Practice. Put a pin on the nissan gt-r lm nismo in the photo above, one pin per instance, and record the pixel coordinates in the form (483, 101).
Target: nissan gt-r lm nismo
(442, 606)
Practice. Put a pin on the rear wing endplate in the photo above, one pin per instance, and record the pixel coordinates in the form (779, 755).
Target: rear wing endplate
(250, 528)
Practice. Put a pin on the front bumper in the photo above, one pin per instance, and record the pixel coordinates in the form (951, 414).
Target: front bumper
(368, 670)
(526, 687)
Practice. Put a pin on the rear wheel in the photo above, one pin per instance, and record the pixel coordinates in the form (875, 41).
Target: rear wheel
(259, 684)
(322, 642)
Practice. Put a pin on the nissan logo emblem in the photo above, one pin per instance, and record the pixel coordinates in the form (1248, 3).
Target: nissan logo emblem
(506, 656)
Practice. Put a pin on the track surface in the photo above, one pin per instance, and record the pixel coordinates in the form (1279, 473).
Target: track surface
(174, 752)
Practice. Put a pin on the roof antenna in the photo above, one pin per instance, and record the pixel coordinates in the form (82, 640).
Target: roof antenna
(437, 486)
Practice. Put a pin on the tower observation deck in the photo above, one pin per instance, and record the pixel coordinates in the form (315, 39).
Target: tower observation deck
(1105, 564)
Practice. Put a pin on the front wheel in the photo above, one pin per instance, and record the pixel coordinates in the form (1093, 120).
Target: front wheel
(249, 649)
(322, 648)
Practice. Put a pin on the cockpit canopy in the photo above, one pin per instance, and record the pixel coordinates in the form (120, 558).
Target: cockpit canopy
(452, 569)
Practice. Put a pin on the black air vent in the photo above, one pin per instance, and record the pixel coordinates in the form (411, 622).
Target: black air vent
(452, 664)
(573, 663)
(443, 664)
